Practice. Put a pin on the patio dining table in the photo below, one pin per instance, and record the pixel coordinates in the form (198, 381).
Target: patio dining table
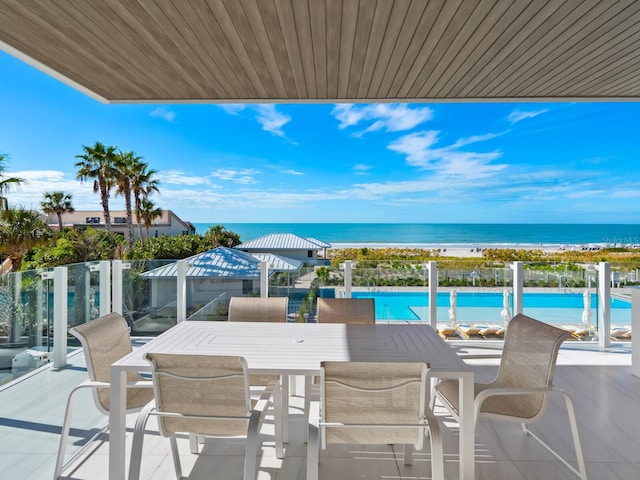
(298, 349)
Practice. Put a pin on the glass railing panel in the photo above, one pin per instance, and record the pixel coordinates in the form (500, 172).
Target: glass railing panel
(25, 323)
(149, 293)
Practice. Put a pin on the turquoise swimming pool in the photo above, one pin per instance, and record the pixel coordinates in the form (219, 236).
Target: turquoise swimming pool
(485, 307)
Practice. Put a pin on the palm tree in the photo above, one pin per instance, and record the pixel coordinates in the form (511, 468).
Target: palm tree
(57, 202)
(142, 185)
(98, 164)
(126, 164)
(7, 183)
(148, 213)
(20, 231)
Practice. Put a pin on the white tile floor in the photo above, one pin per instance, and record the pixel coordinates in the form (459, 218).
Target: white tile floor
(606, 395)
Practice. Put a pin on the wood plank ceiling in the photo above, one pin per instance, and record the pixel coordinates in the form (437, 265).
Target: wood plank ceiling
(331, 50)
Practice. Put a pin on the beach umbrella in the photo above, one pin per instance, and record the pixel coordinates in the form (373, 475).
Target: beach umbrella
(452, 308)
(586, 313)
(506, 307)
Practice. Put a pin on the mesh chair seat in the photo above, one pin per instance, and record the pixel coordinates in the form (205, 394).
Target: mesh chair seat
(346, 310)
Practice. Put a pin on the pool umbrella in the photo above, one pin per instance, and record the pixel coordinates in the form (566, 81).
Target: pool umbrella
(452, 308)
(586, 313)
(506, 307)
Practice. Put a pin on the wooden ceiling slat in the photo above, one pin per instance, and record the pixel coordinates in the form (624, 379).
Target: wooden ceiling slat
(415, 24)
(237, 25)
(319, 38)
(488, 47)
(361, 44)
(437, 15)
(378, 29)
(347, 50)
(303, 26)
(347, 38)
(469, 51)
(513, 33)
(54, 37)
(177, 37)
(261, 23)
(291, 44)
(605, 64)
(560, 42)
(399, 11)
(334, 25)
(600, 36)
(221, 71)
(465, 21)
(625, 75)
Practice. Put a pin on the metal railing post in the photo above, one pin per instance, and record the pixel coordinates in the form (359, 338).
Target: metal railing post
(116, 287)
(433, 293)
(181, 297)
(348, 264)
(104, 269)
(59, 316)
(518, 287)
(635, 323)
(264, 279)
(604, 304)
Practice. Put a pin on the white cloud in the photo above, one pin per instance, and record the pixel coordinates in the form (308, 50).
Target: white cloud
(420, 152)
(241, 176)
(164, 113)
(271, 120)
(518, 115)
(362, 169)
(390, 117)
(291, 172)
(267, 116)
(176, 177)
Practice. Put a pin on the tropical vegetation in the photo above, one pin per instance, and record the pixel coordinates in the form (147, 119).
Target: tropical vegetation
(57, 203)
(7, 184)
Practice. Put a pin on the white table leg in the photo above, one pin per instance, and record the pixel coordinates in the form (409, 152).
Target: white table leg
(467, 427)
(117, 424)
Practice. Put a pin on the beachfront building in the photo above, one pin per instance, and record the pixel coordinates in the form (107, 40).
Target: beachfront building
(288, 245)
(168, 223)
(213, 277)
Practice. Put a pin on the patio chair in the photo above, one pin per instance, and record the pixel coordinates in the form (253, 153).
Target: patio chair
(263, 309)
(375, 403)
(104, 341)
(521, 390)
(258, 309)
(346, 310)
(207, 395)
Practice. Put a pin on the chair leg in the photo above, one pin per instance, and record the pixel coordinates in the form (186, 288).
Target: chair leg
(138, 438)
(278, 419)
(284, 381)
(313, 445)
(437, 452)
(581, 471)
(407, 454)
(193, 443)
(251, 453)
(64, 436)
(175, 454)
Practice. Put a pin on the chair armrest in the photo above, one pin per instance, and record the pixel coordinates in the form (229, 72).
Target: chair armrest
(140, 384)
(491, 392)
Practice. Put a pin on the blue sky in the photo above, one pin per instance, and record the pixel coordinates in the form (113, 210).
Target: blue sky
(419, 162)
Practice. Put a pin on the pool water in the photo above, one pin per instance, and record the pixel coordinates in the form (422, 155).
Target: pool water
(485, 307)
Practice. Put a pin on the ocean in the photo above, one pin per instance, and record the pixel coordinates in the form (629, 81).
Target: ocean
(445, 234)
